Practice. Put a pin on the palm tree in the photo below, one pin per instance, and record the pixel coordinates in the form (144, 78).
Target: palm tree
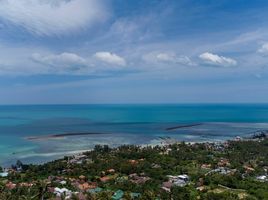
(43, 189)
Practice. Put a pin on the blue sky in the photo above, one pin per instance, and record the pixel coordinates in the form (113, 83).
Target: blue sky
(124, 51)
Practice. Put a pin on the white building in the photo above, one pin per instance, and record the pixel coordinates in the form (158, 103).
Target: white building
(63, 191)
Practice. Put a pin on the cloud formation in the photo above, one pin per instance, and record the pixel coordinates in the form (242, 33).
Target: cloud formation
(66, 61)
(99, 63)
(52, 17)
(263, 49)
(110, 58)
(167, 58)
(216, 60)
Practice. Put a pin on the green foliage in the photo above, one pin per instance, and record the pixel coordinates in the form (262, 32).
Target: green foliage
(156, 163)
(220, 196)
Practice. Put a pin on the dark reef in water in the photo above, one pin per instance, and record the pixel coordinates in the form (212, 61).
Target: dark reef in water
(62, 135)
(182, 126)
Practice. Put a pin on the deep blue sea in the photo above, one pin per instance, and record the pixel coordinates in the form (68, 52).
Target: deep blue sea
(118, 124)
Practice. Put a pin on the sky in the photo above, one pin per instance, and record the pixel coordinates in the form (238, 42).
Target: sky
(125, 51)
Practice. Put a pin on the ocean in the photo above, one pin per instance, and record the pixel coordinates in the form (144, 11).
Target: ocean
(116, 125)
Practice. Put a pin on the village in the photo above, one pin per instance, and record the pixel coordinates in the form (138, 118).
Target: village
(133, 172)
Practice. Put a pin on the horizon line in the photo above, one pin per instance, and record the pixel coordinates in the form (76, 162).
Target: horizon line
(182, 103)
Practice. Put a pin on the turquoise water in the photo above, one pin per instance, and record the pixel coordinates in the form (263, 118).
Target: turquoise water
(118, 124)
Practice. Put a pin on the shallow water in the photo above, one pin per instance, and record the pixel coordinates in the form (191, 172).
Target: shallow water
(118, 124)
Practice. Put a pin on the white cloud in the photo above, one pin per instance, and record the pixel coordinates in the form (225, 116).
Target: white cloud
(168, 58)
(110, 58)
(52, 17)
(66, 60)
(16, 62)
(214, 59)
(264, 49)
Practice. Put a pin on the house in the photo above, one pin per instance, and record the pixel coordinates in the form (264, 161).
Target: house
(111, 171)
(180, 181)
(201, 188)
(80, 157)
(26, 184)
(62, 191)
(95, 190)
(167, 186)
(82, 177)
(50, 189)
(118, 195)
(262, 178)
(223, 162)
(87, 186)
(221, 170)
(248, 169)
(183, 177)
(105, 179)
(206, 166)
(63, 182)
(135, 195)
(77, 159)
(133, 162)
(134, 178)
(11, 185)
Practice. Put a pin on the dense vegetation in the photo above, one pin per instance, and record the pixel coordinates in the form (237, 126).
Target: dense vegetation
(217, 171)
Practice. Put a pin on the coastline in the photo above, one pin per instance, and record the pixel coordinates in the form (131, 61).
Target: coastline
(47, 147)
(160, 141)
(44, 157)
(101, 170)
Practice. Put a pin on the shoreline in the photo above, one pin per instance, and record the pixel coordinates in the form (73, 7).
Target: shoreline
(34, 157)
(98, 171)
(160, 141)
